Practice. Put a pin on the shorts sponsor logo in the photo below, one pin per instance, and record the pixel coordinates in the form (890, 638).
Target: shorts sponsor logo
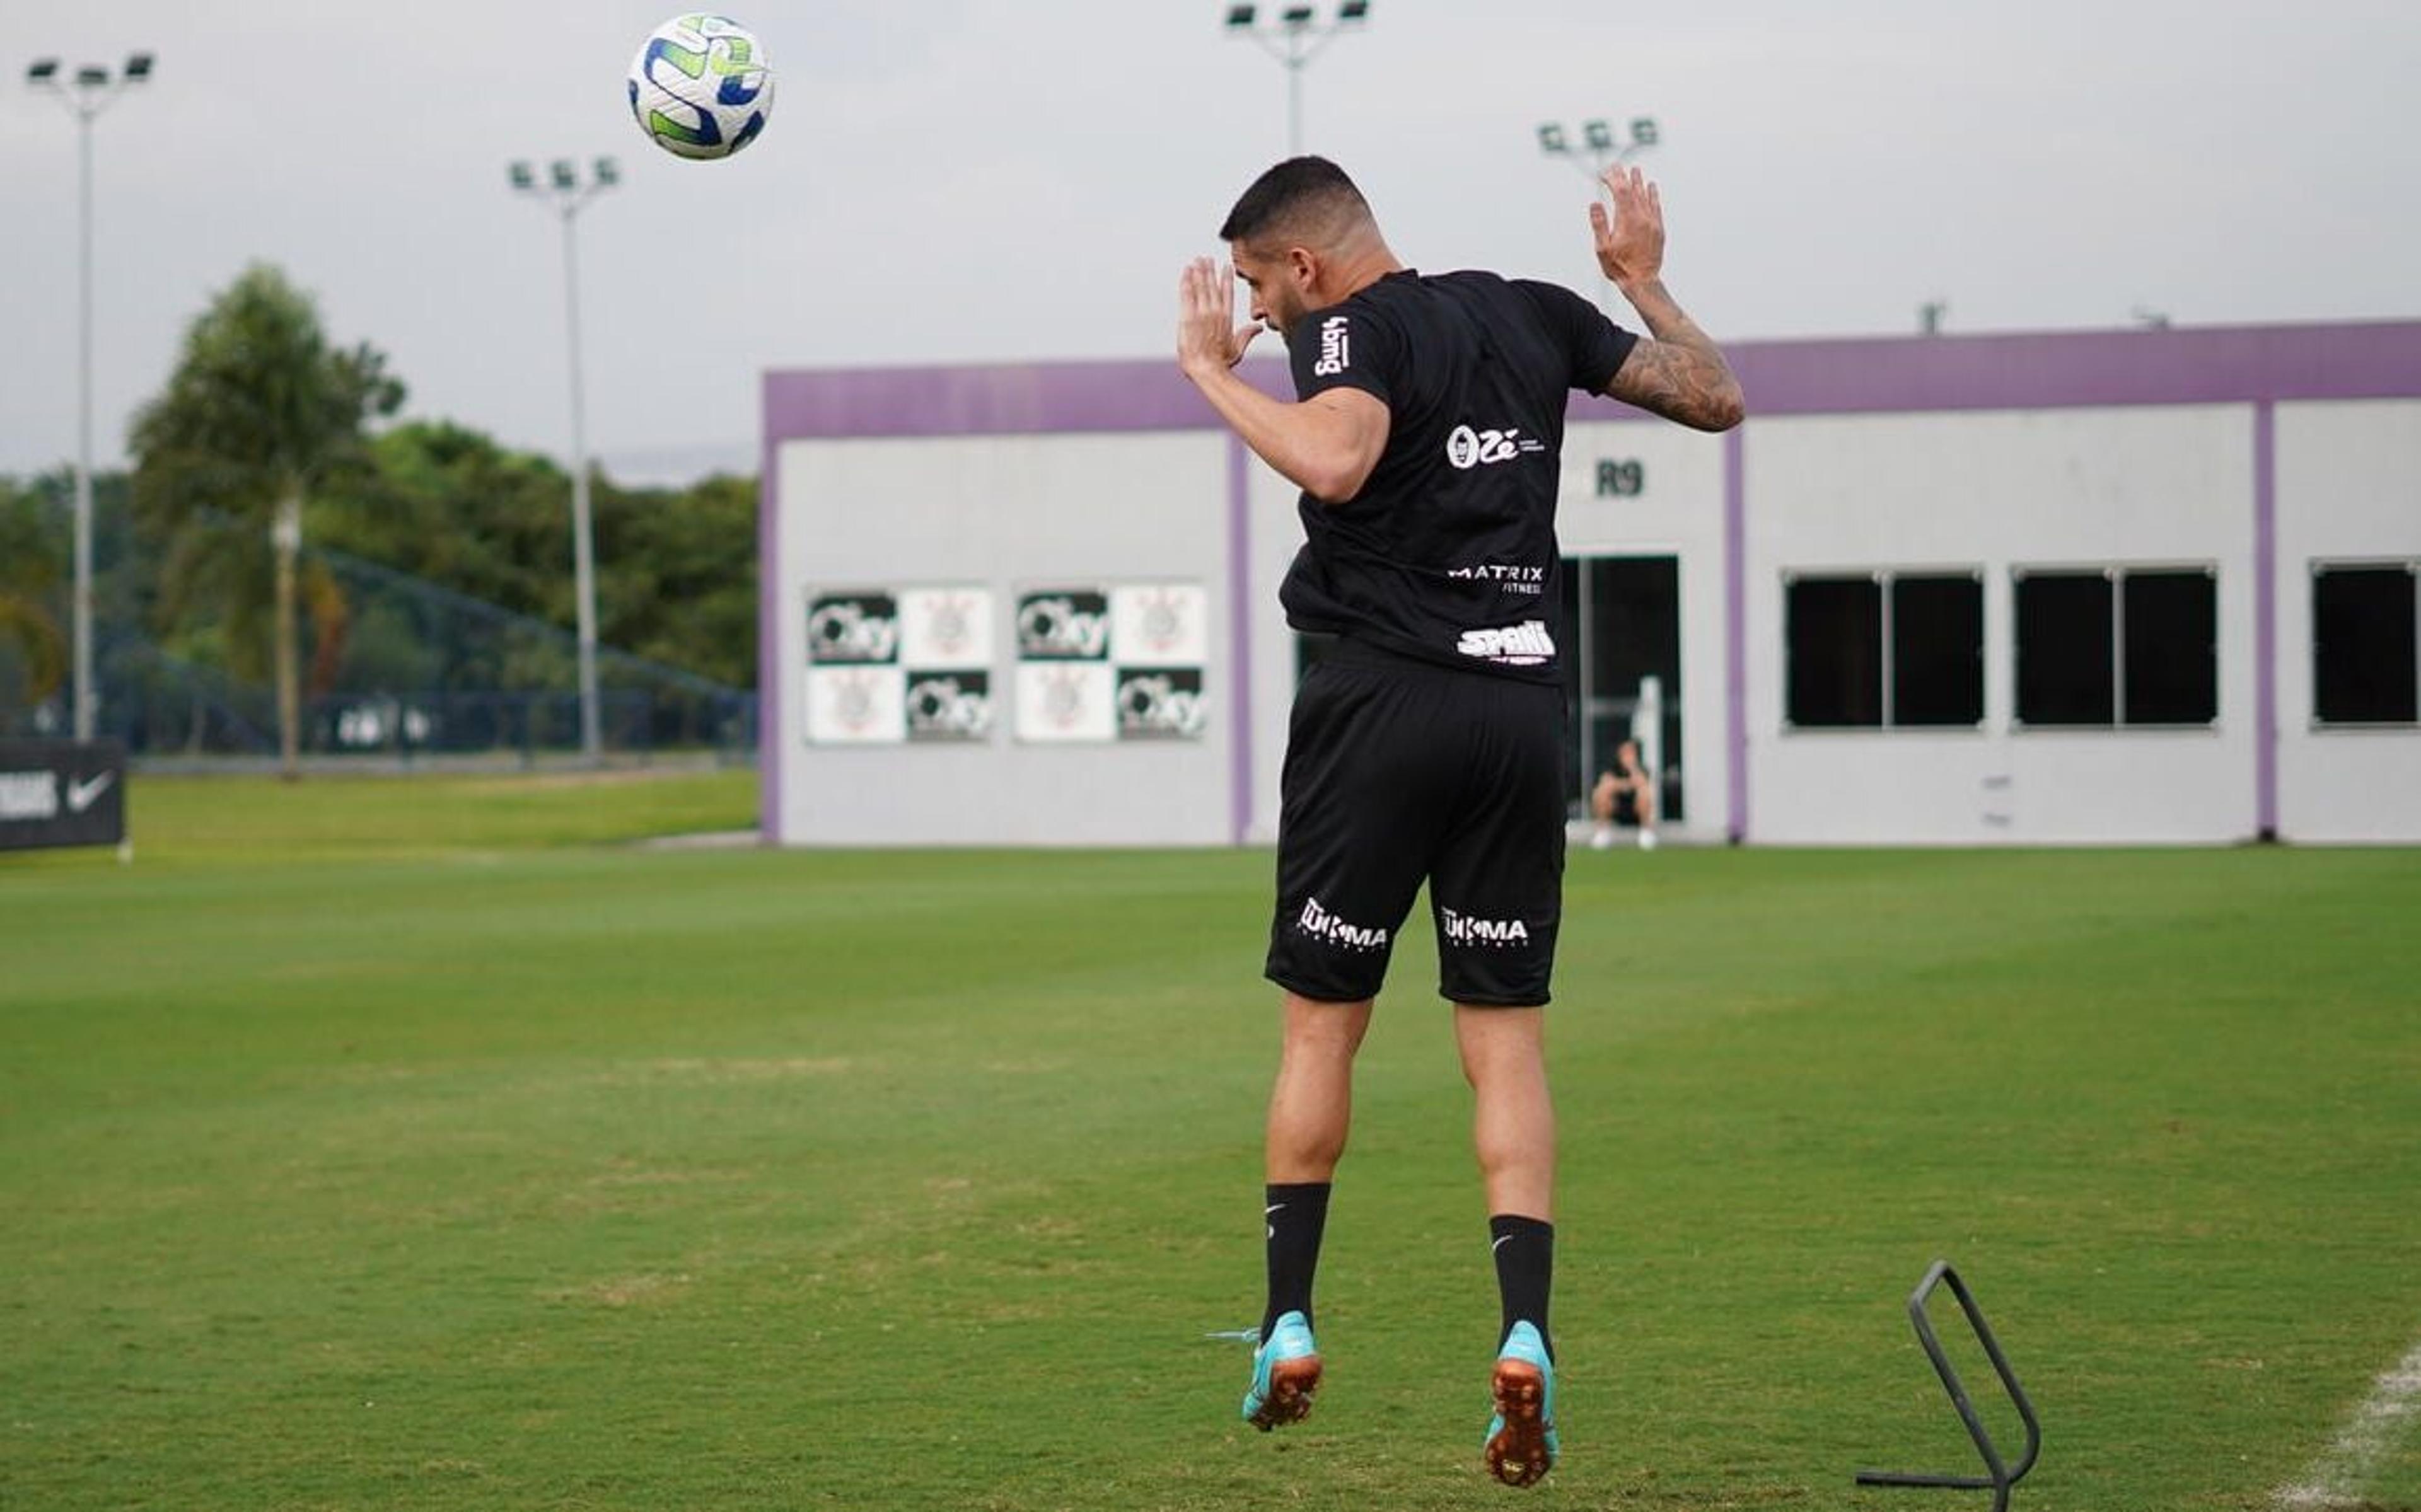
(1526, 645)
(1336, 347)
(1467, 447)
(1463, 929)
(1319, 924)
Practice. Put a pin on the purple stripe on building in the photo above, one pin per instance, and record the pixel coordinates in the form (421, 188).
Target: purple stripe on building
(1736, 636)
(1240, 642)
(2060, 370)
(2265, 621)
(770, 743)
(1024, 399)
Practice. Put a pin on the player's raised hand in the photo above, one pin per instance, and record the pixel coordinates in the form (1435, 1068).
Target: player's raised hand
(1630, 237)
(1208, 336)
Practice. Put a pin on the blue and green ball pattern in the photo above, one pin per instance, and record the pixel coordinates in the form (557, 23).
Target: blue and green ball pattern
(701, 87)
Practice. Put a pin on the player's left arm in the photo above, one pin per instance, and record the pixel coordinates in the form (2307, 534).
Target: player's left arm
(1677, 370)
(1326, 444)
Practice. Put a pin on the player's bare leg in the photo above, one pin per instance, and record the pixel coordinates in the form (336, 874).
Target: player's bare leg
(1513, 1130)
(1312, 1104)
(1310, 1112)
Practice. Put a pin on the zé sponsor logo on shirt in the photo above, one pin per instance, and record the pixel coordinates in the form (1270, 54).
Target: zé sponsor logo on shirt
(1467, 447)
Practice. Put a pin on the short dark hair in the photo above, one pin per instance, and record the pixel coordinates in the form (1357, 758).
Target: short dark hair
(1306, 195)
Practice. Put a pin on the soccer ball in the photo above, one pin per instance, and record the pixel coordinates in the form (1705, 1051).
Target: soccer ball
(700, 87)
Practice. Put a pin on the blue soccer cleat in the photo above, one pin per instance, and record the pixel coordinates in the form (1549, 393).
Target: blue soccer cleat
(1286, 1371)
(1521, 1447)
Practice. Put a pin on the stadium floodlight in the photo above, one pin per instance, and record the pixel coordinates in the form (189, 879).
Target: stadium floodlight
(89, 94)
(1600, 146)
(567, 194)
(1294, 37)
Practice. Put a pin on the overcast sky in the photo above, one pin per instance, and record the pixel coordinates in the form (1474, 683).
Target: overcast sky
(990, 181)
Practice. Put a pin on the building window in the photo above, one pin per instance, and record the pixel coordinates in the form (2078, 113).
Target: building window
(2117, 646)
(1937, 651)
(1884, 651)
(1834, 638)
(2364, 644)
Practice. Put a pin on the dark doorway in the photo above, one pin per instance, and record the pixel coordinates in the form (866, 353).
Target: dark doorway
(1623, 616)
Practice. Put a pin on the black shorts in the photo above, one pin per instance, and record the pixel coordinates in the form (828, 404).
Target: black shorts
(1398, 773)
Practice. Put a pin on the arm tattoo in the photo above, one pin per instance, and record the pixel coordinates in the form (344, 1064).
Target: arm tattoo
(1679, 373)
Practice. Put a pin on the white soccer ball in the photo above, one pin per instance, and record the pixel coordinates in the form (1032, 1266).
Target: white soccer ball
(701, 88)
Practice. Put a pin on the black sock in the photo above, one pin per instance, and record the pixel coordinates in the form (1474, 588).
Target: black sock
(1525, 1272)
(1294, 1214)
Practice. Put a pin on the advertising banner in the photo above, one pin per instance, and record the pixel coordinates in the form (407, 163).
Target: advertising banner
(1121, 663)
(891, 665)
(62, 793)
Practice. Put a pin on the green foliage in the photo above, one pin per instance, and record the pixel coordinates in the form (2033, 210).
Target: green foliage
(677, 575)
(260, 410)
(35, 546)
(447, 504)
(494, 1173)
(676, 569)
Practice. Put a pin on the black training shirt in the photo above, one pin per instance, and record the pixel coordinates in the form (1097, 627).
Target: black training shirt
(1448, 553)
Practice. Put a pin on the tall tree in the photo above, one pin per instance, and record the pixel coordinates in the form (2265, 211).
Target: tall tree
(676, 576)
(33, 563)
(260, 413)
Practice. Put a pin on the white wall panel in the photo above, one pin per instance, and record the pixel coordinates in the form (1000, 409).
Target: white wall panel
(2139, 486)
(1009, 512)
(2349, 490)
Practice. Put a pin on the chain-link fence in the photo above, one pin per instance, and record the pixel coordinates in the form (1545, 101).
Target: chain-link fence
(394, 668)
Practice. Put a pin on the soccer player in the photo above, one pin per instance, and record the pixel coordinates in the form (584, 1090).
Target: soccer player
(1427, 745)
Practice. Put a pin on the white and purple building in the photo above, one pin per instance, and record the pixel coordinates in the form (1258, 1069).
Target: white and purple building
(2142, 587)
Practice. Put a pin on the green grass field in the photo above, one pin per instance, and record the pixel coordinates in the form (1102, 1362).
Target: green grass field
(422, 1145)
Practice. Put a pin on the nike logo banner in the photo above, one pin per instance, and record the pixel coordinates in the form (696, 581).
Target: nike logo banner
(62, 793)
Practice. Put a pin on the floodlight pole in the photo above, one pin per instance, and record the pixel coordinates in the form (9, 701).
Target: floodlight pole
(87, 95)
(1294, 37)
(1598, 143)
(567, 193)
(1602, 149)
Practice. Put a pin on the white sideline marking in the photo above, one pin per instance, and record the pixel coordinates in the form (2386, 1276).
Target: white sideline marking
(2338, 1477)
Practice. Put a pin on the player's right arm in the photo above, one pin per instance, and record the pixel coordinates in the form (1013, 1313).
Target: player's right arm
(1325, 446)
(1677, 372)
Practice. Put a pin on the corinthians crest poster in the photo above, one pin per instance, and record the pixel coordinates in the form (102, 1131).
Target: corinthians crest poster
(912, 665)
(1122, 662)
